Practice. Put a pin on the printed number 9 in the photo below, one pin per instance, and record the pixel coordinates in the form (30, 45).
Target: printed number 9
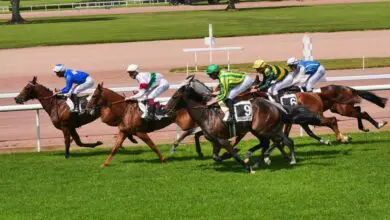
(248, 110)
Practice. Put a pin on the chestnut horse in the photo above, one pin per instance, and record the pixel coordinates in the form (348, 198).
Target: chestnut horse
(59, 112)
(341, 100)
(126, 115)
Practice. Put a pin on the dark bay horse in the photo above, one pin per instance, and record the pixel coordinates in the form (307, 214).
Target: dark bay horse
(267, 121)
(126, 115)
(59, 112)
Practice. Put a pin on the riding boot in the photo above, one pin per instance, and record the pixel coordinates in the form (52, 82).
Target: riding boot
(151, 112)
(230, 105)
(76, 103)
(277, 98)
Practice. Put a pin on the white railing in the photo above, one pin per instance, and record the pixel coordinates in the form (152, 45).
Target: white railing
(210, 50)
(4, 9)
(37, 107)
(86, 5)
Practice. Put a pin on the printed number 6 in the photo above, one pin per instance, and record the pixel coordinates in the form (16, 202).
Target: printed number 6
(248, 110)
(293, 101)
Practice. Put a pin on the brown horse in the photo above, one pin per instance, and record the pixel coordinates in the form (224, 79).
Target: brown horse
(59, 112)
(268, 121)
(341, 100)
(126, 115)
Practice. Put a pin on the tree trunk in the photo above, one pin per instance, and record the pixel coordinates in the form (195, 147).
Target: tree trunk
(231, 5)
(16, 17)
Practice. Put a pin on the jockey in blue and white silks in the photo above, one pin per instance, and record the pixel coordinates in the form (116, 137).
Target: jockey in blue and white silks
(312, 70)
(76, 82)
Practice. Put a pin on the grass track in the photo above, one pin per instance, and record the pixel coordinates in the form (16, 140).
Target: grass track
(330, 64)
(185, 25)
(329, 182)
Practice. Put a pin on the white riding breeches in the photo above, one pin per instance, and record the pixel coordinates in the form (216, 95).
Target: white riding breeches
(82, 87)
(286, 82)
(246, 84)
(158, 90)
(315, 78)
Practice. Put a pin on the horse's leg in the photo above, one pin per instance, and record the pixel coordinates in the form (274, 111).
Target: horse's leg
(230, 149)
(118, 143)
(311, 134)
(331, 123)
(357, 113)
(263, 144)
(216, 150)
(145, 138)
(76, 138)
(180, 139)
(197, 144)
(66, 133)
(290, 144)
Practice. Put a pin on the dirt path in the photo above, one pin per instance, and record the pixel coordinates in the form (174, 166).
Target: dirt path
(133, 10)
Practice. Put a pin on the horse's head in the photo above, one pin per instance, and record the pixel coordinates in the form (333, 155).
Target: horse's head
(176, 101)
(96, 101)
(28, 92)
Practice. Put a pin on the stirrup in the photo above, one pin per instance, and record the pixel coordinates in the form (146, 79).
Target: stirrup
(226, 117)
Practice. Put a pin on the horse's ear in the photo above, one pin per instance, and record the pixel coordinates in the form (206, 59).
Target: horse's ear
(34, 81)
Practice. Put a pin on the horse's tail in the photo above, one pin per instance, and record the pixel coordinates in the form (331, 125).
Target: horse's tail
(371, 97)
(300, 115)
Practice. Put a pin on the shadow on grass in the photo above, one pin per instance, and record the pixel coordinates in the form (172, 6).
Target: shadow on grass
(64, 20)
(104, 152)
(169, 159)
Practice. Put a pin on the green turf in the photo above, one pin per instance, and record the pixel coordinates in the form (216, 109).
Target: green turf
(329, 182)
(180, 25)
(330, 64)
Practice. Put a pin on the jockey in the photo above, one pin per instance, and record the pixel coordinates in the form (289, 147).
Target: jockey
(151, 85)
(231, 85)
(81, 79)
(301, 68)
(271, 73)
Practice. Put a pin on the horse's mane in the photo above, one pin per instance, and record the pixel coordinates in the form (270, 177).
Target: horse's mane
(112, 93)
(200, 87)
(44, 87)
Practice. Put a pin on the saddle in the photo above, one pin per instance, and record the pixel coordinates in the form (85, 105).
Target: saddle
(83, 101)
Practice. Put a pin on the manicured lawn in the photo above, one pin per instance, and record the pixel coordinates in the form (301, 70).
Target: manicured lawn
(330, 64)
(329, 182)
(182, 25)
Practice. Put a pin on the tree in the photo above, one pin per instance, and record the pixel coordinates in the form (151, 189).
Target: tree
(231, 5)
(16, 17)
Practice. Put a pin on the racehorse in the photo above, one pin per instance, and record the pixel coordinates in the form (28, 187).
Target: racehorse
(59, 112)
(267, 121)
(341, 100)
(126, 115)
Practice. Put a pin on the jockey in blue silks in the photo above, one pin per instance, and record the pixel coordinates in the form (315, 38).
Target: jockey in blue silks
(311, 69)
(76, 82)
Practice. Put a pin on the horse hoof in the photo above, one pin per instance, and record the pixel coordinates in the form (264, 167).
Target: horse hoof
(99, 143)
(163, 160)
(103, 165)
(201, 156)
(382, 124)
(172, 150)
(267, 161)
(365, 130)
(293, 162)
(66, 156)
(250, 170)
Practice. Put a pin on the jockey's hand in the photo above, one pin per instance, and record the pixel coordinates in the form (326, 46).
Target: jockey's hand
(129, 98)
(215, 93)
(211, 102)
(135, 92)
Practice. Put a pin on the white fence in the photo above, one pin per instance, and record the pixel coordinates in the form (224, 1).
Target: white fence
(37, 107)
(4, 9)
(88, 5)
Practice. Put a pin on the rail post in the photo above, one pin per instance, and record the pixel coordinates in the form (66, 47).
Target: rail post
(38, 127)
